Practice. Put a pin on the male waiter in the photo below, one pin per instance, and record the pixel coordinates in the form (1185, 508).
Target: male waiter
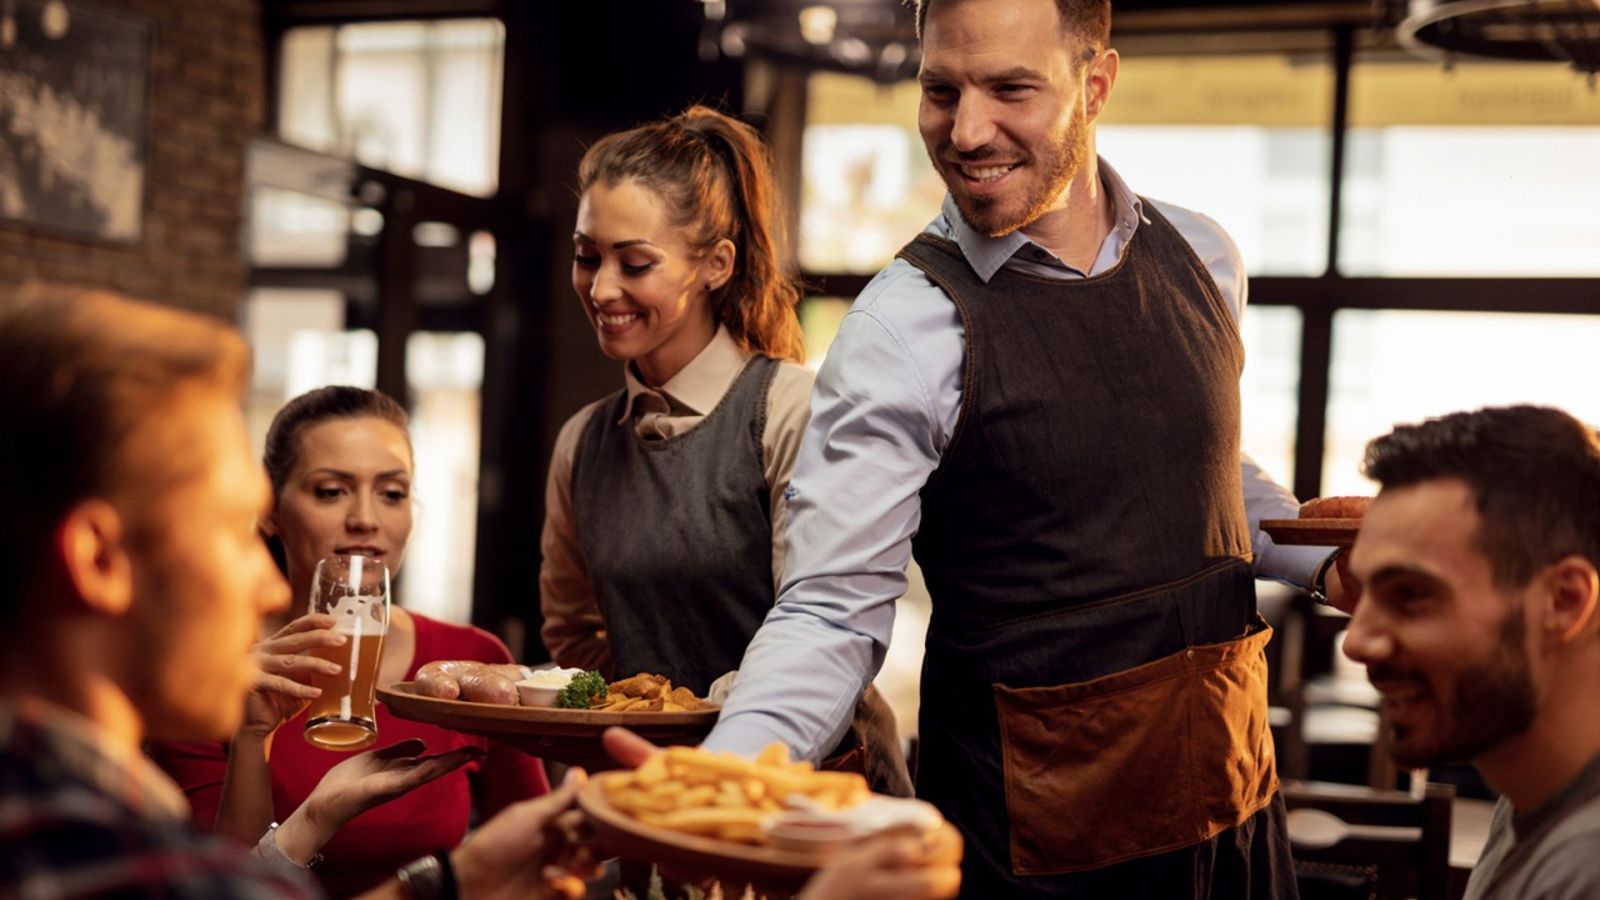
(1039, 398)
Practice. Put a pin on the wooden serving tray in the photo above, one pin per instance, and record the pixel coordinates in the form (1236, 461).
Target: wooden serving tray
(570, 736)
(1312, 532)
(691, 857)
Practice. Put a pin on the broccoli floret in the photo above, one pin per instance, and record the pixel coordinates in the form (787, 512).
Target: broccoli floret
(582, 692)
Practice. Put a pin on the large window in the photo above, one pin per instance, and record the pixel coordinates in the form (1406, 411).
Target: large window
(1243, 139)
(444, 371)
(289, 228)
(1392, 367)
(1488, 169)
(298, 341)
(420, 99)
(866, 184)
(1268, 391)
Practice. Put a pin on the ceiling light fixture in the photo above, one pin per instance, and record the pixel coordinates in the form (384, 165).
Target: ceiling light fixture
(1566, 31)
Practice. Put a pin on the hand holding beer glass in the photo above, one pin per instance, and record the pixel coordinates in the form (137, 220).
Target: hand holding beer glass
(355, 591)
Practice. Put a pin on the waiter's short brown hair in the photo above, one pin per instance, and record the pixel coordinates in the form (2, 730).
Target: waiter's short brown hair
(1087, 21)
(85, 379)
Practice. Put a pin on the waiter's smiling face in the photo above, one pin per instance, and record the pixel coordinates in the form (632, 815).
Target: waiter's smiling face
(644, 285)
(1445, 645)
(1009, 98)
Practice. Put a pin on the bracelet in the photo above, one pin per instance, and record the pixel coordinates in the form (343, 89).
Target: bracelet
(270, 847)
(429, 877)
(1319, 578)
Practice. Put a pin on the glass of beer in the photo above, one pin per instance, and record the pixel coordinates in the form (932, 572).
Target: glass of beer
(355, 591)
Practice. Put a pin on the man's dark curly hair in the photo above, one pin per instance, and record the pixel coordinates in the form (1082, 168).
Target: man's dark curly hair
(1534, 471)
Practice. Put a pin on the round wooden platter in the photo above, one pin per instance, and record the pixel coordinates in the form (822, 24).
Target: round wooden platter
(570, 736)
(1312, 532)
(690, 857)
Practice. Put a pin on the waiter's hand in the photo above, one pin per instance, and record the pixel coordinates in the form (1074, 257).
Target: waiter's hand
(1343, 589)
(627, 748)
(1340, 587)
(885, 867)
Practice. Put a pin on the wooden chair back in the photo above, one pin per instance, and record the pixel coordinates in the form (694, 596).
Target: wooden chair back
(1395, 844)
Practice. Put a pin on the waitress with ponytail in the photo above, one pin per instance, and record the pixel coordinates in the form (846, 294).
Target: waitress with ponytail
(663, 534)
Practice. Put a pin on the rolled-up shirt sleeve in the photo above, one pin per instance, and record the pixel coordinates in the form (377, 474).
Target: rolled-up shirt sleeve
(874, 437)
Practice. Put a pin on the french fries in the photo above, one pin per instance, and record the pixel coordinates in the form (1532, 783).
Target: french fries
(723, 795)
(649, 693)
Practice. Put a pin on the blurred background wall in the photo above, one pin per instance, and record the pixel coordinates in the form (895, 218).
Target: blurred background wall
(204, 105)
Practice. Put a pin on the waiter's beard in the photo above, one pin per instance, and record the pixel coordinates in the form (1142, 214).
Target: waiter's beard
(1046, 175)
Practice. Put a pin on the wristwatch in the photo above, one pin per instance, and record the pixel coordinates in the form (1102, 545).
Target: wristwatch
(428, 877)
(1319, 579)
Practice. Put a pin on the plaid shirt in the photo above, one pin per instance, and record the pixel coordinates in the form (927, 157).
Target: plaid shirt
(78, 819)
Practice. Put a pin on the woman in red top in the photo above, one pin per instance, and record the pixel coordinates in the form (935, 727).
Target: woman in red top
(339, 459)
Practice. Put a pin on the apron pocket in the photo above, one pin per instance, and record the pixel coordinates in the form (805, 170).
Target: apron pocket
(1139, 762)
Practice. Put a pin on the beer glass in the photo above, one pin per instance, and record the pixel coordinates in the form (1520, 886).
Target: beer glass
(355, 591)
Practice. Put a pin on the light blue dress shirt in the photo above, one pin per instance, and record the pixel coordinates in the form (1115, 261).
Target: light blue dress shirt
(882, 411)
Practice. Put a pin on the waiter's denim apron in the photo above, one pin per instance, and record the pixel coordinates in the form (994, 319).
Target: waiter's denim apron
(1094, 693)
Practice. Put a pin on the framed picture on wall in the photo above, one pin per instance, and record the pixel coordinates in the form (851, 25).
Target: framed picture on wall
(74, 79)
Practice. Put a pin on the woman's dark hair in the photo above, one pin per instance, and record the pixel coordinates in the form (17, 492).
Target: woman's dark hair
(283, 447)
(714, 175)
(1534, 472)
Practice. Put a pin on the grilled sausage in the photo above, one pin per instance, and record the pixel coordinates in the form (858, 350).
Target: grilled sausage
(492, 684)
(468, 679)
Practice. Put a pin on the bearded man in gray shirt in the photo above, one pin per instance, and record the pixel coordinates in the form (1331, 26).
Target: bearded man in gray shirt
(1480, 561)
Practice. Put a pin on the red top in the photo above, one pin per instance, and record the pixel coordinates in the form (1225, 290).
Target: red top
(434, 817)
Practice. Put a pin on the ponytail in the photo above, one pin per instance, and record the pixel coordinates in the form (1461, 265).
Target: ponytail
(715, 176)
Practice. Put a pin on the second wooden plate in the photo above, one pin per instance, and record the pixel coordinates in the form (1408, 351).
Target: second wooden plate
(693, 857)
(1312, 532)
(570, 736)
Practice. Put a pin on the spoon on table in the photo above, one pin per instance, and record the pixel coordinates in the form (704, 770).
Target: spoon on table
(1317, 829)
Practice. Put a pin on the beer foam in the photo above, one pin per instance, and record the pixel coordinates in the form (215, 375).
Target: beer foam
(356, 616)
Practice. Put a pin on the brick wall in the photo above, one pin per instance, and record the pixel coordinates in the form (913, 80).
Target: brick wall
(205, 104)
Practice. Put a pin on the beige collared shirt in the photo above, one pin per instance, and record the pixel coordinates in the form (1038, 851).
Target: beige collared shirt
(573, 630)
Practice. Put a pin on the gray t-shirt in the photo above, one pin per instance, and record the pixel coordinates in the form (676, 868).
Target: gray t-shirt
(1550, 852)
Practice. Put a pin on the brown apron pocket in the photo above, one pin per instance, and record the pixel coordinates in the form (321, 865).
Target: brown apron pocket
(1139, 762)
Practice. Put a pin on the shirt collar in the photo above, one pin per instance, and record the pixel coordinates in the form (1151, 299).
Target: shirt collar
(699, 386)
(68, 746)
(988, 254)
